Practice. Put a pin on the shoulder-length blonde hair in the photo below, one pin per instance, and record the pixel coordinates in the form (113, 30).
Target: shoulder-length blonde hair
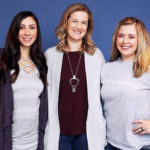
(142, 57)
(61, 30)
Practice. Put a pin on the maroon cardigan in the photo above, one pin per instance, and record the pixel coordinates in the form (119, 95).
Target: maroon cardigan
(6, 115)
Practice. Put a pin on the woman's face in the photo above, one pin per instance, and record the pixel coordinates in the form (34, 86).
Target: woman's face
(27, 32)
(77, 26)
(127, 41)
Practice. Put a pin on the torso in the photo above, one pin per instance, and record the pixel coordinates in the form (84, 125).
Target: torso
(73, 106)
(26, 92)
(125, 99)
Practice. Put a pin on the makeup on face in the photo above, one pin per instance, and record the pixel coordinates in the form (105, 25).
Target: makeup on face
(127, 41)
(27, 32)
(77, 26)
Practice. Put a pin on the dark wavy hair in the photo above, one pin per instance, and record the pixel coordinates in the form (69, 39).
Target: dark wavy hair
(11, 53)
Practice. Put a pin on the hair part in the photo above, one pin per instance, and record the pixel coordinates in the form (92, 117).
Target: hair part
(61, 30)
(142, 56)
(11, 52)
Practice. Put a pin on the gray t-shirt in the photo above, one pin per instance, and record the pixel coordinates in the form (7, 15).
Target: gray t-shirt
(26, 92)
(126, 99)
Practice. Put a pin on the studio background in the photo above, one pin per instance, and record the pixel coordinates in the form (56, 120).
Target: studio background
(106, 14)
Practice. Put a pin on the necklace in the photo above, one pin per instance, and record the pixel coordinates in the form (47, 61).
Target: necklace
(27, 65)
(74, 81)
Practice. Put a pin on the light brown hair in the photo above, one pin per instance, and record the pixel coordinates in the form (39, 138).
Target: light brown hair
(142, 57)
(61, 30)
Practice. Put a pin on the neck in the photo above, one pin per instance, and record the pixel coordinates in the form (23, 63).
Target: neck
(25, 52)
(73, 45)
(127, 58)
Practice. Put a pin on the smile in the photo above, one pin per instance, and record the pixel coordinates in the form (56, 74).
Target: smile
(77, 32)
(125, 47)
(27, 39)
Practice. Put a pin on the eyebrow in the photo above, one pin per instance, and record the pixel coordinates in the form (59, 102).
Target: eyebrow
(77, 19)
(29, 24)
(128, 34)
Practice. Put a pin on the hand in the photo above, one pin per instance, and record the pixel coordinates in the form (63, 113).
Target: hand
(143, 127)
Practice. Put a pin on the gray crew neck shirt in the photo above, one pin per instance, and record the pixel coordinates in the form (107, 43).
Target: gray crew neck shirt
(125, 99)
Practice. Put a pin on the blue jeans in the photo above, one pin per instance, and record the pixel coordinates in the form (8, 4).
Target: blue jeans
(77, 142)
(110, 147)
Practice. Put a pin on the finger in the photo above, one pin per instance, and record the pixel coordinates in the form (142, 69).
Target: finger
(137, 121)
(137, 131)
(142, 132)
(137, 127)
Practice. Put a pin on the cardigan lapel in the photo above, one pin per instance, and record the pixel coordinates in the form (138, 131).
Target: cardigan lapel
(92, 68)
(8, 101)
(56, 73)
(89, 69)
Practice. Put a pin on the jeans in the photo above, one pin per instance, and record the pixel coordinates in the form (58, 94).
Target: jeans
(110, 147)
(77, 142)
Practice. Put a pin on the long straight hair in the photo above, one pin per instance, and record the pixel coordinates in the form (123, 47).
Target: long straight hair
(11, 53)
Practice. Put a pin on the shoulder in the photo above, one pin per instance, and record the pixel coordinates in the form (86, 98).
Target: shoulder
(98, 56)
(109, 66)
(50, 51)
(98, 53)
(1, 50)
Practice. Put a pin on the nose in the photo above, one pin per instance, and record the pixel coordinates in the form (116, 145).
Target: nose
(79, 25)
(27, 32)
(125, 40)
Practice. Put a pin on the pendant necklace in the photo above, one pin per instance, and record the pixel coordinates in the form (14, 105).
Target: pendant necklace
(28, 68)
(74, 81)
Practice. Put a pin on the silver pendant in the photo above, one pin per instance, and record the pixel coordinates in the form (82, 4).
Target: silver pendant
(74, 81)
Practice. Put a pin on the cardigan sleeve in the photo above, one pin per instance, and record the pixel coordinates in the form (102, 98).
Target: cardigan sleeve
(1, 119)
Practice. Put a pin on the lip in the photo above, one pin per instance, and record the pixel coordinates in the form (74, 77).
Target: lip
(77, 32)
(125, 47)
(27, 39)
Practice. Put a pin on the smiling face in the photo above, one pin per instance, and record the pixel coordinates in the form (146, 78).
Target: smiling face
(77, 26)
(27, 32)
(127, 41)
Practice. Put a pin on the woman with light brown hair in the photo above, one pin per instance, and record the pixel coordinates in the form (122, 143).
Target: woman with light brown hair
(76, 121)
(126, 87)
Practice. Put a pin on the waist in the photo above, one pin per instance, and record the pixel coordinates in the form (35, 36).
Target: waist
(146, 147)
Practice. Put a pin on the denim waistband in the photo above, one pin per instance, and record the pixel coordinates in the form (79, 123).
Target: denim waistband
(146, 147)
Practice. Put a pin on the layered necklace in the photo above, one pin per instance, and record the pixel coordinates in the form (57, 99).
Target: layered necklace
(27, 65)
(74, 81)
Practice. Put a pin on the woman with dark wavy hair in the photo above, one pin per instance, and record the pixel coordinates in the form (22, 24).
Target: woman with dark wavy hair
(75, 113)
(23, 93)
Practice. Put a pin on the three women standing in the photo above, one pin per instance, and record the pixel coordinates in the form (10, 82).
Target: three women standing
(75, 115)
(23, 94)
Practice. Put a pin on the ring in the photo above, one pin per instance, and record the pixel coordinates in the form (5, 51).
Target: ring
(142, 129)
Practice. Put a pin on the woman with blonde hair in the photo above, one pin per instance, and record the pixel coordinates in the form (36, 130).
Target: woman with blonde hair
(76, 121)
(126, 87)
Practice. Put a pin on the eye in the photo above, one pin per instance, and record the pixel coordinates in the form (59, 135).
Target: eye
(85, 23)
(131, 37)
(32, 27)
(120, 35)
(74, 21)
(21, 27)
